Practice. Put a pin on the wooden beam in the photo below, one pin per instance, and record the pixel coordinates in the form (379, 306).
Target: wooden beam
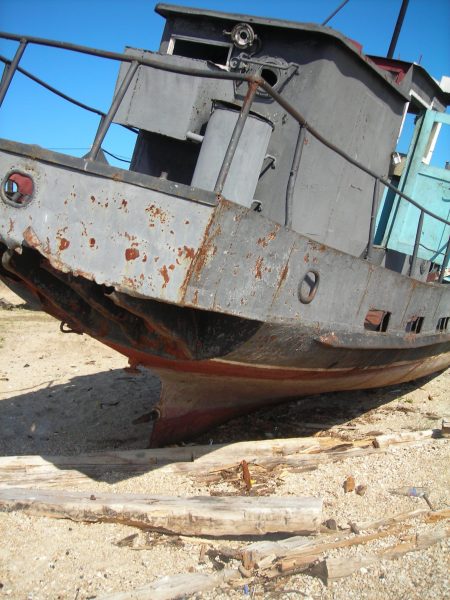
(172, 587)
(383, 441)
(209, 515)
(51, 471)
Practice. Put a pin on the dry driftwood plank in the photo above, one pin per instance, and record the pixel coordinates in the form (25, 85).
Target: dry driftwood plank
(177, 586)
(336, 568)
(26, 471)
(33, 471)
(405, 516)
(383, 441)
(299, 460)
(209, 515)
(49, 468)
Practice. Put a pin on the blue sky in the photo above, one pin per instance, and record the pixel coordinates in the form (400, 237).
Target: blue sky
(33, 115)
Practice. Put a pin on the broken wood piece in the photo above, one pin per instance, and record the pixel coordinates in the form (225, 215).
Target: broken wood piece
(296, 556)
(445, 429)
(197, 515)
(383, 441)
(246, 475)
(172, 587)
(331, 569)
(336, 568)
(437, 515)
(288, 567)
(265, 548)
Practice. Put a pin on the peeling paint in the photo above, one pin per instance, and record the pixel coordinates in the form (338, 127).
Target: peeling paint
(165, 275)
(63, 244)
(258, 266)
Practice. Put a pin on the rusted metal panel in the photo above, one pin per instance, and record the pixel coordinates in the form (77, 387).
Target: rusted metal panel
(252, 268)
(138, 240)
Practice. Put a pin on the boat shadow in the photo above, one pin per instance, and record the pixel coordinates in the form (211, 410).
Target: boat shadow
(108, 411)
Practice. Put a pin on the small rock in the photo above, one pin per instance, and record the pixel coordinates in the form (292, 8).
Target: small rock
(349, 484)
(354, 528)
(331, 524)
(361, 490)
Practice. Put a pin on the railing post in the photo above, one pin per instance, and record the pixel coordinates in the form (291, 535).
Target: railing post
(445, 262)
(9, 71)
(293, 175)
(106, 121)
(373, 212)
(416, 244)
(235, 137)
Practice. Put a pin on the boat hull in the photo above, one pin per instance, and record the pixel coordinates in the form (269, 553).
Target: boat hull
(232, 310)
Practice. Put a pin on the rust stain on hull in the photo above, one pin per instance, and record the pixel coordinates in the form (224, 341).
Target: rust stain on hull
(131, 254)
(63, 244)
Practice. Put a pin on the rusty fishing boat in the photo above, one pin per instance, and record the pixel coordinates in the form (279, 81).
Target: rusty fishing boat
(267, 241)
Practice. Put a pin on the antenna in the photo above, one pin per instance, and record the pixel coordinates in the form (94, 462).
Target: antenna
(398, 26)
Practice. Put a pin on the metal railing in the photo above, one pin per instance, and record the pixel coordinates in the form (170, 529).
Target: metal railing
(254, 82)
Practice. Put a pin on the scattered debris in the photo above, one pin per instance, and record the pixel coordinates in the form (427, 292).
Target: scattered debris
(331, 569)
(246, 475)
(414, 492)
(127, 541)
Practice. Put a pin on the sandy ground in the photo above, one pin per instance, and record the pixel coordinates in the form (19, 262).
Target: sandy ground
(67, 394)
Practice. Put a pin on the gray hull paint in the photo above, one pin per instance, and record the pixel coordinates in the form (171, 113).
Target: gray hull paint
(207, 294)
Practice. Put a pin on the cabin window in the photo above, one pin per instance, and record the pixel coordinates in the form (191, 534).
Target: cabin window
(377, 320)
(414, 325)
(438, 146)
(216, 52)
(442, 324)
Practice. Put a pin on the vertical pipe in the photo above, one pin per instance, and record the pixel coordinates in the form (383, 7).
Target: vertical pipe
(445, 262)
(398, 26)
(235, 137)
(106, 120)
(9, 72)
(416, 244)
(4, 73)
(293, 175)
(373, 212)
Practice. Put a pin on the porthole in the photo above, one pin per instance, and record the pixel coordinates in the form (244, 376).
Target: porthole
(270, 76)
(17, 189)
